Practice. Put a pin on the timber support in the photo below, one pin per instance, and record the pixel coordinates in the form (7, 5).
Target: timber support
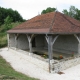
(50, 40)
(30, 38)
(16, 37)
(78, 38)
(8, 41)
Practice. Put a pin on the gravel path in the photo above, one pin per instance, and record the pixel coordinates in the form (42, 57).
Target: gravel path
(20, 63)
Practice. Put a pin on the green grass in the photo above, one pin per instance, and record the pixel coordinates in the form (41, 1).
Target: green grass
(8, 73)
(3, 40)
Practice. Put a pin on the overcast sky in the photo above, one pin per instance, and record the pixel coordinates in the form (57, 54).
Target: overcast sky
(31, 8)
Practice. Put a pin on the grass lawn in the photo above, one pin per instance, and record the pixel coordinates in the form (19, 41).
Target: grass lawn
(8, 73)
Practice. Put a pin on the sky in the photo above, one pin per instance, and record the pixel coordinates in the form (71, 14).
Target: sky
(31, 8)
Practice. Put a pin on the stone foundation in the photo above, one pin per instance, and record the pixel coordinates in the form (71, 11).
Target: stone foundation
(56, 65)
(64, 64)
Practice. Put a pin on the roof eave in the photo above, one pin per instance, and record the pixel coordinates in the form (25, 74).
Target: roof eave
(61, 33)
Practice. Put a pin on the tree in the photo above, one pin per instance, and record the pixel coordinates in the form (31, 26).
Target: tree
(77, 16)
(7, 23)
(17, 17)
(65, 12)
(13, 14)
(49, 9)
(73, 12)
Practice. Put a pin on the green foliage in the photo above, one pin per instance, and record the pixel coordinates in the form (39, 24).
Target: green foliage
(49, 9)
(8, 73)
(3, 34)
(9, 12)
(3, 40)
(73, 12)
(7, 23)
(65, 12)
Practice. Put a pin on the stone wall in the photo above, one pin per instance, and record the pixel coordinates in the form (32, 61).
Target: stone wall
(66, 44)
(22, 42)
(39, 40)
(65, 64)
(12, 40)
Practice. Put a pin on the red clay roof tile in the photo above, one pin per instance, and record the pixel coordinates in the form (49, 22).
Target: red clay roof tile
(54, 23)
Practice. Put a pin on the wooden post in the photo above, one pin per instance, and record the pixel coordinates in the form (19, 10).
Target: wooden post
(8, 41)
(50, 51)
(30, 44)
(30, 38)
(16, 41)
(50, 40)
(78, 38)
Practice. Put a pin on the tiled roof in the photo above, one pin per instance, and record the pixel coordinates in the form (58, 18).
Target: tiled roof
(52, 23)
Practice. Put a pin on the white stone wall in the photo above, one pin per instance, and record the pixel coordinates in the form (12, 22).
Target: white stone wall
(66, 44)
(22, 42)
(65, 64)
(12, 40)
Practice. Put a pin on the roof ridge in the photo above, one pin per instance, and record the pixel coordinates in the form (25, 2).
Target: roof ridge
(52, 22)
(69, 20)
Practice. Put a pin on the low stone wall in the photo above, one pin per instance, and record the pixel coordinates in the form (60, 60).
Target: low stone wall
(65, 64)
(56, 65)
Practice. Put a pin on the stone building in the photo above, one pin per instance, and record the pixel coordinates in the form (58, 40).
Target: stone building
(47, 32)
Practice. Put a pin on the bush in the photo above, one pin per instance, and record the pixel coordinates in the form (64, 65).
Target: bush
(3, 40)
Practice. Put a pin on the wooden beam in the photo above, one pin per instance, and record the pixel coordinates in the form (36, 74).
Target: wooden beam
(51, 42)
(17, 36)
(54, 39)
(30, 38)
(77, 38)
(8, 41)
(30, 43)
(15, 41)
(46, 37)
(50, 51)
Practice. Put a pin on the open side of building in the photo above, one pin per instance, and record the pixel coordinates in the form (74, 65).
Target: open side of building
(51, 32)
